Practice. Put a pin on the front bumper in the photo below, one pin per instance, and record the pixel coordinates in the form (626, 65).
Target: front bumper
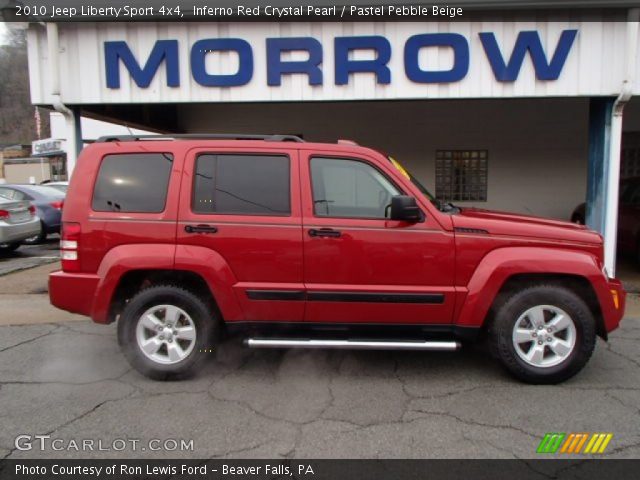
(17, 232)
(613, 304)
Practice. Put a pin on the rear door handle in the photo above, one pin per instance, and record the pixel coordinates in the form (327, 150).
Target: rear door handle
(324, 232)
(200, 228)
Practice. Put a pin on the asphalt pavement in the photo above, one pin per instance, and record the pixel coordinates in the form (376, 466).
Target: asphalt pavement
(29, 256)
(65, 379)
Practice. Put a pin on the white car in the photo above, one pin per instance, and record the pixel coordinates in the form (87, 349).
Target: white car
(18, 221)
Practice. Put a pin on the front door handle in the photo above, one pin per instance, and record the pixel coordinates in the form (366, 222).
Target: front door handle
(200, 228)
(324, 232)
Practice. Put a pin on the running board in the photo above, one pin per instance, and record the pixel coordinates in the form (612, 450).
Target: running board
(441, 346)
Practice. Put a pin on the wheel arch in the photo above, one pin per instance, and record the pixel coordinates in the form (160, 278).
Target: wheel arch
(201, 268)
(576, 283)
(133, 281)
(504, 269)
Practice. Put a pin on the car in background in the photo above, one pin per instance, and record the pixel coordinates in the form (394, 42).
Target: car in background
(18, 221)
(48, 202)
(628, 217)
(62, 186)
(579, 214)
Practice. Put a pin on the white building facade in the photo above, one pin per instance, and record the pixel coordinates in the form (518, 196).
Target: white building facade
(517, 114)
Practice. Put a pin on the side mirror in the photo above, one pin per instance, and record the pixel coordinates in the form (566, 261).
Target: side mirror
(405, 208)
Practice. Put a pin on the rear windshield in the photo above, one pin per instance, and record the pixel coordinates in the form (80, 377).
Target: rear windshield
(133, 183)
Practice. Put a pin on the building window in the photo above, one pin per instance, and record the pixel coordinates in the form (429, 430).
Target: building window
(461, 175)
(630, 165)
(242, 184)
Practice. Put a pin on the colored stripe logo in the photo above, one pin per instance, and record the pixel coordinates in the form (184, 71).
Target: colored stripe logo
(574, 443)
(550, 443)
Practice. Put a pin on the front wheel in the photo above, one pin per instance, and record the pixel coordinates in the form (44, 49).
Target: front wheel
(165, 332)
(543, 334)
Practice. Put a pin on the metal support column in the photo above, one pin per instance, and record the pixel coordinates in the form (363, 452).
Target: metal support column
(605, 132)
(600, 110)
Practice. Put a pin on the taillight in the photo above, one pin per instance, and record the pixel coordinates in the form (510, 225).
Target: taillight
(57, 205)
(4, 215)
(69, 240)
(32, 210)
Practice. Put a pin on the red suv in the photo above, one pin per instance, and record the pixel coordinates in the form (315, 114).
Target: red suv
(293, 244)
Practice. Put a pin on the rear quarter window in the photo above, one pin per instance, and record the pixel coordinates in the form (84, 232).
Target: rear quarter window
(133, 183)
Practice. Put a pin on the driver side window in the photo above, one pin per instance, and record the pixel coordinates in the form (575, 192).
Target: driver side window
(349, 189)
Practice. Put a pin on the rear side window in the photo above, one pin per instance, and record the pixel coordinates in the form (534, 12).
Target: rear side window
(133, 183)
(242, 185)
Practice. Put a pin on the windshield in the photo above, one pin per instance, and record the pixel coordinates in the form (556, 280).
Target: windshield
(415, 181)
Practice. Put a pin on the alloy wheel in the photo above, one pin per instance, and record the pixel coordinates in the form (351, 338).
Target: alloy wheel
(544, 336)
(166, 334)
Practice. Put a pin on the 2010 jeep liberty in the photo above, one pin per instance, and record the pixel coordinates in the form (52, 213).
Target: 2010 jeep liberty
(294, 244)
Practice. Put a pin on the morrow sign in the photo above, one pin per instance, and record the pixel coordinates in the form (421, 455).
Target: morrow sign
(505, 61)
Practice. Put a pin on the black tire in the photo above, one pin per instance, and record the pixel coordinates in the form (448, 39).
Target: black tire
(37, 239)
(204, 318)
(9, 247)
(508, 312)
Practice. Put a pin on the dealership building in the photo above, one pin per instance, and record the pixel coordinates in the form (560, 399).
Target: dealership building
(528, 110)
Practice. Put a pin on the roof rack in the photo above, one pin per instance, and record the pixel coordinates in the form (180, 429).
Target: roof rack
(200, 136)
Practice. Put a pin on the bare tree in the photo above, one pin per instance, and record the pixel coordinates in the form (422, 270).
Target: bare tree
(17, 115)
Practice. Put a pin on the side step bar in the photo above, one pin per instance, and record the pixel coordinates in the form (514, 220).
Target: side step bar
(441, 346)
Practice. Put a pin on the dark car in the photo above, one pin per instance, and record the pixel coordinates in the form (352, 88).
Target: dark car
(628, 217)
(311, 245)
(48, 202)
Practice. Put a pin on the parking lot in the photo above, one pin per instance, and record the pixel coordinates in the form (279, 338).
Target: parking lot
(64, 377)
(28, 256)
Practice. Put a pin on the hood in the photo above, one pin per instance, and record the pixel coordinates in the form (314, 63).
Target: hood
(512, 224)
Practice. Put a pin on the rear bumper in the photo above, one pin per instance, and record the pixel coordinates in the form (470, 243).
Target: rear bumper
(613, 303)
(73, 292)
(17, 232)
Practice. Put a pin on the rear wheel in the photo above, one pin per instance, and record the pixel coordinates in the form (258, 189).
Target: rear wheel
(165, 332)
(36, 239)
(8, 247)
(578, 219)
(543, 334)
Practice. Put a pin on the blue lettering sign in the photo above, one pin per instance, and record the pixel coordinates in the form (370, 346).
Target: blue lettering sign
(310, 67)
(378, 66)
(162, 50)
(166, 52)
(455, 41)
(200, 50)
(527, 41)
